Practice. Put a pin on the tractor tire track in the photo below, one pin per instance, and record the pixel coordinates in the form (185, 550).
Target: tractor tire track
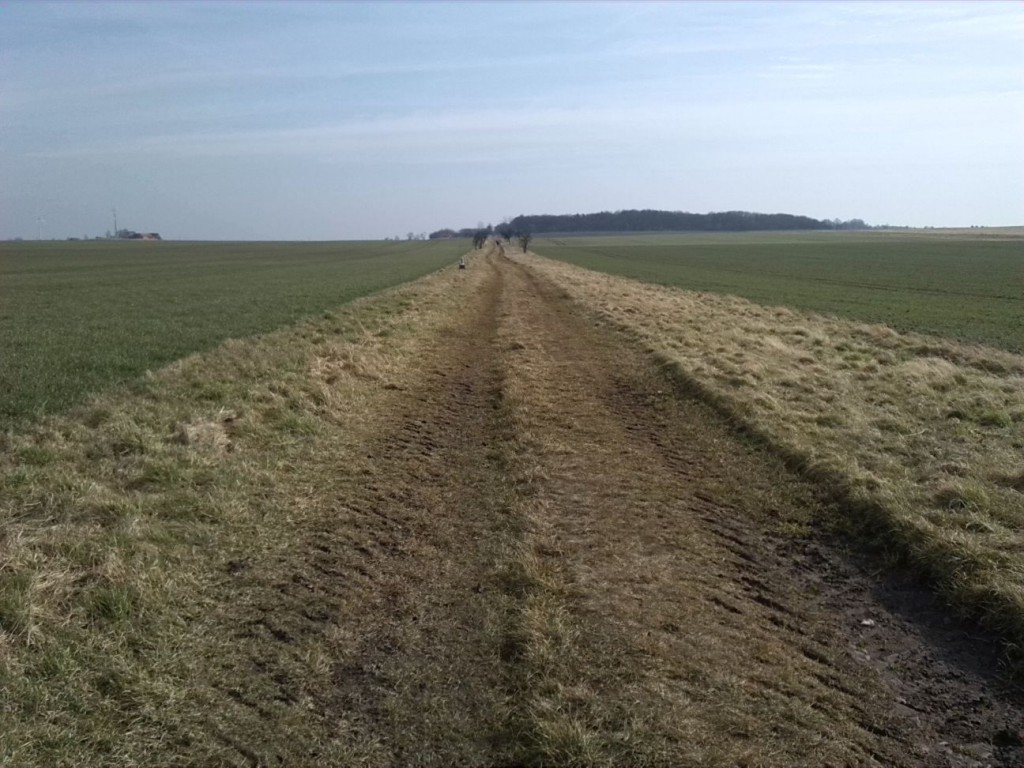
(394, 586)
(706, 636)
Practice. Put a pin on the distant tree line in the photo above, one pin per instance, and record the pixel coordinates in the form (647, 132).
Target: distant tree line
(645, 221)
(675, 221)
(470, 232)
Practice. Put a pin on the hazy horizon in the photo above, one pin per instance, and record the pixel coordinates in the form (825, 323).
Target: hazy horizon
(327, 121)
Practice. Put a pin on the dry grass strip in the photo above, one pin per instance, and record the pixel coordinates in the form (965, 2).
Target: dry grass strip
(550, 721)
(920, 436)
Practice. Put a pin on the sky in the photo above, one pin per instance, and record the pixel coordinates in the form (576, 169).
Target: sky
(350, 120)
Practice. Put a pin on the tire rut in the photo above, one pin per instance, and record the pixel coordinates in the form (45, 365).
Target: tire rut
(426, 675)
(701, 623)
(395, 585)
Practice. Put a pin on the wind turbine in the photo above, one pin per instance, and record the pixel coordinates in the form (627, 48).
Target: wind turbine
(39, 226)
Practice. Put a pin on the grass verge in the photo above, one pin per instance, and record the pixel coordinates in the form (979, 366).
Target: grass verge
(962, 284)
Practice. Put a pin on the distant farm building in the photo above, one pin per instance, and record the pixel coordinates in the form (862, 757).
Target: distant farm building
(127, 234)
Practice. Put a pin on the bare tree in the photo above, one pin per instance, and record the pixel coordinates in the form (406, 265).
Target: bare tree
(524, 240)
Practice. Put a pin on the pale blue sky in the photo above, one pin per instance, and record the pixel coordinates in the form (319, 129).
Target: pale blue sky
(352, 120)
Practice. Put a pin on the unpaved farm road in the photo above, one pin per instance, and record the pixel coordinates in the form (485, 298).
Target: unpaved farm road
(558, 559)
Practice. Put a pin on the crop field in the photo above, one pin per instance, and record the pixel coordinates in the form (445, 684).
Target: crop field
(78, 316)
(521, 514)
(963, 285)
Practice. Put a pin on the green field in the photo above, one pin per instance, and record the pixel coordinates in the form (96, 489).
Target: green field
(76, 317)
(963, 285)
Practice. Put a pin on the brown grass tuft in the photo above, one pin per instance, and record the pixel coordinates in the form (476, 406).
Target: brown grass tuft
(212, 436)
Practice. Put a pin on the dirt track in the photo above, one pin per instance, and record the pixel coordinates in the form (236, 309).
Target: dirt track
(550, 556)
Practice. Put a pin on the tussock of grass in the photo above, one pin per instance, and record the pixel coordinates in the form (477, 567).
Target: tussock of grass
(916, 434)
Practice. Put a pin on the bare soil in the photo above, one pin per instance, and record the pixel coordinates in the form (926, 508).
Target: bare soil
(549, 554)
